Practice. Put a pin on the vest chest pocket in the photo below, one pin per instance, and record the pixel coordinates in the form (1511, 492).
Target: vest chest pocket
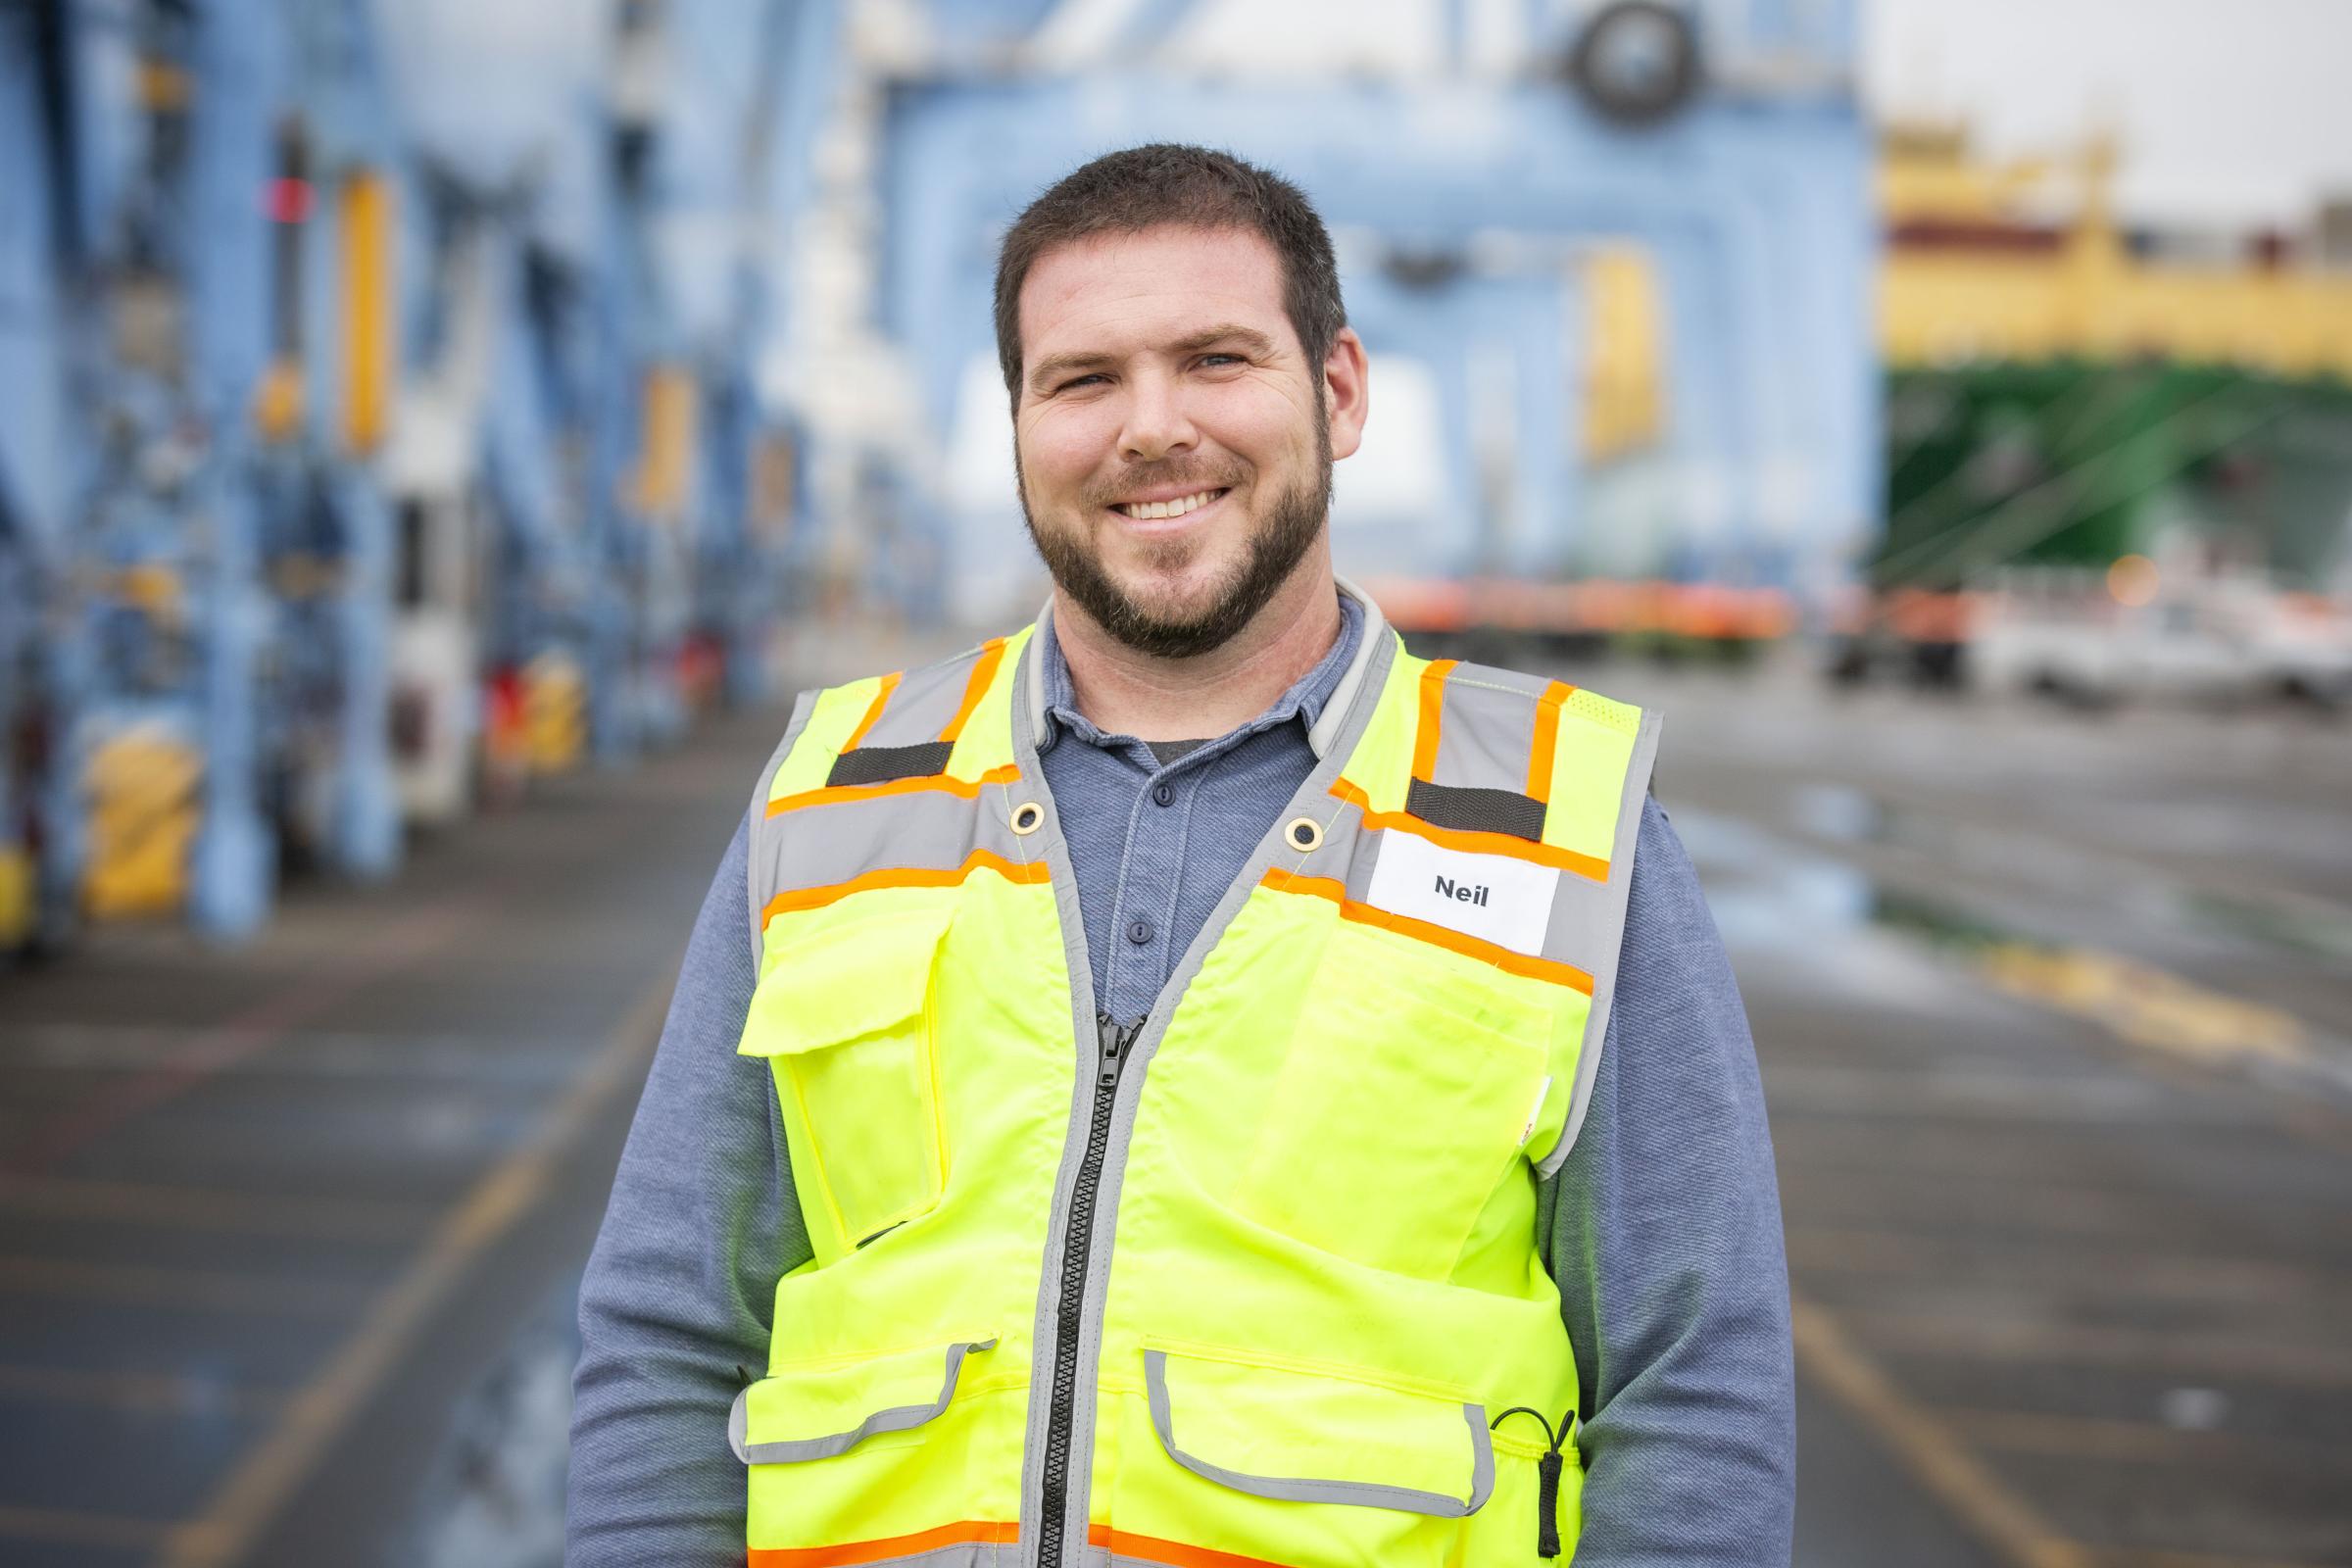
(846, 1017)
(1406, 1091)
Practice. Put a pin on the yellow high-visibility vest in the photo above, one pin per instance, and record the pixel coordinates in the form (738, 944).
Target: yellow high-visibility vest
(1254, 1284)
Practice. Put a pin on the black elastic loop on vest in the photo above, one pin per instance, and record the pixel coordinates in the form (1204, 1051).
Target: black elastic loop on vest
(1469, 810)
(1547, 1477)
(884, 765)
(1547, 1504)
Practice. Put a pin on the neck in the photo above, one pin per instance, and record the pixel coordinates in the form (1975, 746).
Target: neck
(1122, 692)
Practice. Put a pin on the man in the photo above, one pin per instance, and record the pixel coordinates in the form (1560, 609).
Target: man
(1189, 1083)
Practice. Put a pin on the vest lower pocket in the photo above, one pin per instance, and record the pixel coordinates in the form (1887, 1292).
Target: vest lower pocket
(845, 1017)
(822, 1410)
(870, 1454)
(1291, 1463)
(1404, 1098)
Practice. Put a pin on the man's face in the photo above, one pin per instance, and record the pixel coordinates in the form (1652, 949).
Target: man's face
(1172, 443)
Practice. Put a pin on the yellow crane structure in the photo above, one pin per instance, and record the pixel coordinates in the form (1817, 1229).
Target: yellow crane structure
(1987, 262)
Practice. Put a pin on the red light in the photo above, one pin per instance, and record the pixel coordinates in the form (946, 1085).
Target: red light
(288, 201)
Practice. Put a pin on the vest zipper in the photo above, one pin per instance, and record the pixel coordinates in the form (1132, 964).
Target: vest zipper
(1112, 1040)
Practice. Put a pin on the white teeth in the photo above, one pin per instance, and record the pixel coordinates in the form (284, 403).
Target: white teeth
(1154, 511)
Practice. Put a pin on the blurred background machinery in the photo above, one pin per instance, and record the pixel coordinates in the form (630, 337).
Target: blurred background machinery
(2120, 457)
(405, 404)
(407, 400)
(379, 431)
(1612, 263)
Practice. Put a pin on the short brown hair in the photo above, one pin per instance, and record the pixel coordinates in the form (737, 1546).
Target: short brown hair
(1168, 184)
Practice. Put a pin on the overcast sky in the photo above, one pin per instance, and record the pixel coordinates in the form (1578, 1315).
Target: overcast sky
(2230, 110)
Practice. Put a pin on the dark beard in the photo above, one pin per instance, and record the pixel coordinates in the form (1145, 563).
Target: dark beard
(1294, 521)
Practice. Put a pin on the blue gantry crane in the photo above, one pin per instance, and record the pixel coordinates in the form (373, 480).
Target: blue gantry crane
(351, 452)
(1469, 186)
(387, 411)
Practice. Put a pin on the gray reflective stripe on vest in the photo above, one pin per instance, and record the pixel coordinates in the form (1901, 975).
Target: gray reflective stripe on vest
(1375, 647)
(919, 830)
(923, 704)
(1485, 732)
(963, 1555)
(898, 1419)
(1361, 1494)
(1486, 729)
(986, 1554)
(761, 883)
(925, 830)
(1610, 917)
(1584, 915)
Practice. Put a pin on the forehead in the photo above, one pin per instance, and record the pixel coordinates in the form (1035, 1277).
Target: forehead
(1121, 292)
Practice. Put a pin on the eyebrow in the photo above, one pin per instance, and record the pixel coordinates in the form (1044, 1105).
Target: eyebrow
(1053, 366)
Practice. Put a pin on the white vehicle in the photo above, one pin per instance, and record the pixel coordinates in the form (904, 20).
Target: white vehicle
(2099, 637)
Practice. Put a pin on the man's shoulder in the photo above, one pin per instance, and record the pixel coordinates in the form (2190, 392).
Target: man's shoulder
(1566, 698)
(910, 688)
(917, 706)
(870, 680)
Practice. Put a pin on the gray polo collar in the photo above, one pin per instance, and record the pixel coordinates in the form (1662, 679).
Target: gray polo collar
(1374, 637)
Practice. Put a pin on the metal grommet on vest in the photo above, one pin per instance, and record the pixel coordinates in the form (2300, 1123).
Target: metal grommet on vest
(1028, 817)
(1305, 833)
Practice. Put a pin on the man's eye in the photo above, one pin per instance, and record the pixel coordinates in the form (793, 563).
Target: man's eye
(1220, 359)
(1076, 381)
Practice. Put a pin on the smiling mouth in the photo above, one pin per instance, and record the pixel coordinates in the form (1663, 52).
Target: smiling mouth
(1160, 510)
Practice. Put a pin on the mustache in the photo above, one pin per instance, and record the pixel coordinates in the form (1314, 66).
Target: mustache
(1153, 475)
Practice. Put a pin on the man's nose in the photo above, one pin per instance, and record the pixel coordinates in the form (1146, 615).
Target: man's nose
(1157, 423)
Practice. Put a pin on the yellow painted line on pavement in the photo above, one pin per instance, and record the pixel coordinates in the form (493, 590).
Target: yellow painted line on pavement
(2174, 1019)
(315, 1417)
(2146, 1005)
(68, 1529)
(2004, 1522)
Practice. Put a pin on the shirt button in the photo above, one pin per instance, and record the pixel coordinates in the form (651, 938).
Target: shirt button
(1164, 794)
(1140, 932)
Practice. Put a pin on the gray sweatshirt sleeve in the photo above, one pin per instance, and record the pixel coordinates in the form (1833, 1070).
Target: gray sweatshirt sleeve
(1665, 1240)
(702, 1223)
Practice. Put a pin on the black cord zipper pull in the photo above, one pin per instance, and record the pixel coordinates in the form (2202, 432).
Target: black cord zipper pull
(1547, 1475)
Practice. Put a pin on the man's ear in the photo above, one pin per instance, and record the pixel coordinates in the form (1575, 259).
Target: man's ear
(1346, 392)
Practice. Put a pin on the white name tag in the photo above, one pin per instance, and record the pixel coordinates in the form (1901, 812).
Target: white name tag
(1491, 897)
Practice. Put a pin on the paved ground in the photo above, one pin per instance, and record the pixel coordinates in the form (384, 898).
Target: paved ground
(266, 1216)
(2052, 1014)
